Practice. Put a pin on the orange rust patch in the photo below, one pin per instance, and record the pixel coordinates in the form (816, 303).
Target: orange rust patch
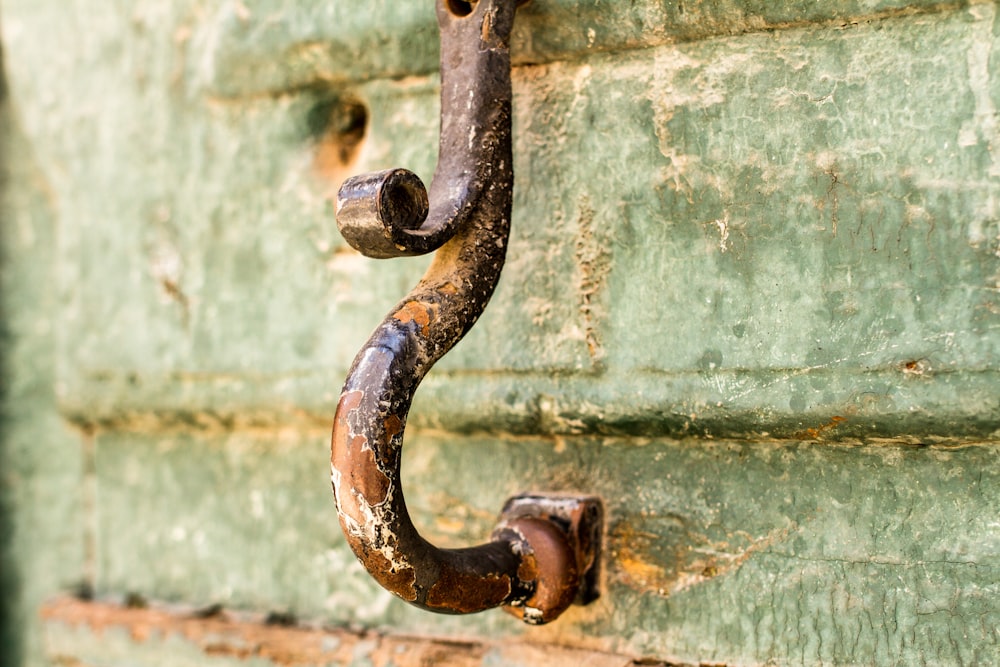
(528, 569)
(915, 367)
(467, 593)
(393, 426)
(414, 311)
(645, 574)
(338, 147)
(815, 433)
(487, 30)
(400, 582)
(641, 564)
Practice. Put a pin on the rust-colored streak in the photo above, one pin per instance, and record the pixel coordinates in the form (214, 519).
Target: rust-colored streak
(644, 562)
(225, 635)
(393, 426)
(246, 637)
(642, 573)
(465, 593)
(817, 432)
(340, 142)
(414, 311)
(487, 31)
(528, 569)
(399, 581)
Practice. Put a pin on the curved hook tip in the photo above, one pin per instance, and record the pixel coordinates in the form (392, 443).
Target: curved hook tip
(377, 212)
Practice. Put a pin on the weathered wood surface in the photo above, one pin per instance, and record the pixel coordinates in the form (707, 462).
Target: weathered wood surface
(752, 301)
(733, 236)
(89, 634)
(732, 552)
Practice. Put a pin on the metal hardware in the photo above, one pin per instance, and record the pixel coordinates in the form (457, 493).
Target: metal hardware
(543, 554)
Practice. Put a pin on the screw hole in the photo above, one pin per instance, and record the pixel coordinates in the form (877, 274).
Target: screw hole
(338, 126)
(344, 119)
(460, 7)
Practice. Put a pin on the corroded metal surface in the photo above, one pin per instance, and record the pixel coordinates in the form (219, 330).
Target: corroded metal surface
(565, 533)
(531, 562)
(388, 213)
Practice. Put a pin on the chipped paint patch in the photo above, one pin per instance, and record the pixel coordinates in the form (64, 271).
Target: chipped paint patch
(593, 259)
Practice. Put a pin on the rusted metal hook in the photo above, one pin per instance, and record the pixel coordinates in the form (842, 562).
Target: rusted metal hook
(543, 555)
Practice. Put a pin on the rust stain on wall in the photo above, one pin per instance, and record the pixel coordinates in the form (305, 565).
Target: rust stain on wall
(816, 432)
(664, 555)
(339, 127)
(222, 635)
(637, 554)
(248, 637)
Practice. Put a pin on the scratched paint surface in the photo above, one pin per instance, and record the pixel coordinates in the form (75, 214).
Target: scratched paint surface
(768, 243)
(732, 552)
(764, 223)
(248, 47)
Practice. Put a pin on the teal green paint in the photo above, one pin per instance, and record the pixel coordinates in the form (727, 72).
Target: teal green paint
(269, 45)
(721, 230)
(245, 521)
(42, 523)
(10, 623)
(768, 243)
(739, 553)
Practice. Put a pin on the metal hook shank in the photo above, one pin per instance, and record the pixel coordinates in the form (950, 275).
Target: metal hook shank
(388, 213)
(533, 563)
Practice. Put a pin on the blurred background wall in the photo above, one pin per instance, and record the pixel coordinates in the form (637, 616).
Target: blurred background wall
(752, 300)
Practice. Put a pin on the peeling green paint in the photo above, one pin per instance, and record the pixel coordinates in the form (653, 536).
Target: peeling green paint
(752, 301)
(733, 552)
(769, 242)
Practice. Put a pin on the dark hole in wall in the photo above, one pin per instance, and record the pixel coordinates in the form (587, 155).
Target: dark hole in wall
(337, 125)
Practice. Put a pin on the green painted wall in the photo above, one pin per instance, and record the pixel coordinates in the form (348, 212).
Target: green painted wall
(42, 520)
(752, 300)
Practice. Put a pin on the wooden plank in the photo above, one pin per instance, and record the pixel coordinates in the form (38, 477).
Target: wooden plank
(100, 634)
(748, 553)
